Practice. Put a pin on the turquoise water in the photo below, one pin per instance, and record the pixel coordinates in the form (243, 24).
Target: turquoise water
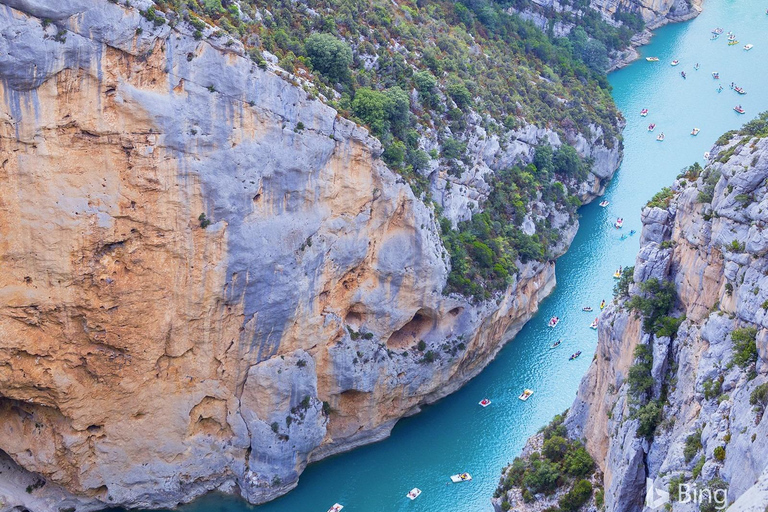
(456, 434)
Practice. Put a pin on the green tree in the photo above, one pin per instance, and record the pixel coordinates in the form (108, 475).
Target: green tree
(373, 108)
(329, 55)
(555, 448)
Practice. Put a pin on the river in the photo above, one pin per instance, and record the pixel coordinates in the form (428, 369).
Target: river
(456, 434)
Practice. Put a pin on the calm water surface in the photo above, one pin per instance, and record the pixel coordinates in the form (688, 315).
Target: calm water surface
(456, 434)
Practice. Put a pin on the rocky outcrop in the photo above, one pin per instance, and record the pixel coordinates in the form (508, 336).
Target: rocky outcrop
(209, 278)
(709, 378)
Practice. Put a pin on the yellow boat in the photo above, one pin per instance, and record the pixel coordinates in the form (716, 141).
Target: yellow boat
(731, 43)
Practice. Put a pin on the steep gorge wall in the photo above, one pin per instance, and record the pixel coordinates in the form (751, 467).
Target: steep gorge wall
(146, 359)
(715, 251)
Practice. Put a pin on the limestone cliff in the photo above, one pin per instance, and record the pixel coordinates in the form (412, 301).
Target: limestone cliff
(209, 278)
(679, 395)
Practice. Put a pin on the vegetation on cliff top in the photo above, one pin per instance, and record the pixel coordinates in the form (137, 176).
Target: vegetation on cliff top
(561, 462)
(424, 76)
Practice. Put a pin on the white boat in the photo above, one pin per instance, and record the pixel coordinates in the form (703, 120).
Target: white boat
(748, 47)
(652, 59)
(695, 131)
(414, 493)
(461, 477)
(484, 402)
(593, 325)
(619, 223)
(604, 203)
(706, 155)
(660, 137)
(553, 321)
(675, 62)
(526, 395)
(336, 508)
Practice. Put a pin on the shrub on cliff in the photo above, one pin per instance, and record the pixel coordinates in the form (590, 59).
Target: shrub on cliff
(744, 346)
(655, 301)
(576, 497)
(329, 55)
(661, 199)
(555, 448)
(543, 476)
(578, 462)
(649, 416)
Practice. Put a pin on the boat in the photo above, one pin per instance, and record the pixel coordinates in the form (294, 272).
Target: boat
(731, 37)
(574, 356)
(526, 395)
(660, 137)
(734, 42)
(695, 131)
(740, 90)
(616, 275)
(602, 303)
(461, 477)
(716, 75)
(720, 89)
(619, 222)
(587, 308)
(336, 508)
(413, 493)
(682, 74)
(696, 67)
(675, 62)
(632, 232)
(652, 59)
(593, 325)
(644, 112)
(484, 402)
(748, 47)
(604, 203)
(714, 37)
(651, 127)
(739, 109)
(623, 237)
(706, 155)
(717, 31)
(556, 344)
(553, 321)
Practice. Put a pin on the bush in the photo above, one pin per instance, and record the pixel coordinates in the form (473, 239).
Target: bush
(692, 445)
(421, 345)
(329, 55)
(621, 288)
(656, 300)
(744, 346)
(759, 396)
(674, 487)
(661, 199)
(578, 462)
(543, 477)
(649, 416)
(639, 377)
(719, 453)
(576, 497)
(555, 448)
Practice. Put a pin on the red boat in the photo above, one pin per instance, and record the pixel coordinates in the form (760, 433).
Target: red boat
(739, 109)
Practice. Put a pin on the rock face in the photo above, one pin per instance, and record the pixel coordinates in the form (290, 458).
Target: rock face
(711, 243)
(209, 279)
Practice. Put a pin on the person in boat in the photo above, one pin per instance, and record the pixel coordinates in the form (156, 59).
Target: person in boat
(720, 88)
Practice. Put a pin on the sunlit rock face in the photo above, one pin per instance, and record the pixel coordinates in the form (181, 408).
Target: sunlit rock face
(209, 279)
